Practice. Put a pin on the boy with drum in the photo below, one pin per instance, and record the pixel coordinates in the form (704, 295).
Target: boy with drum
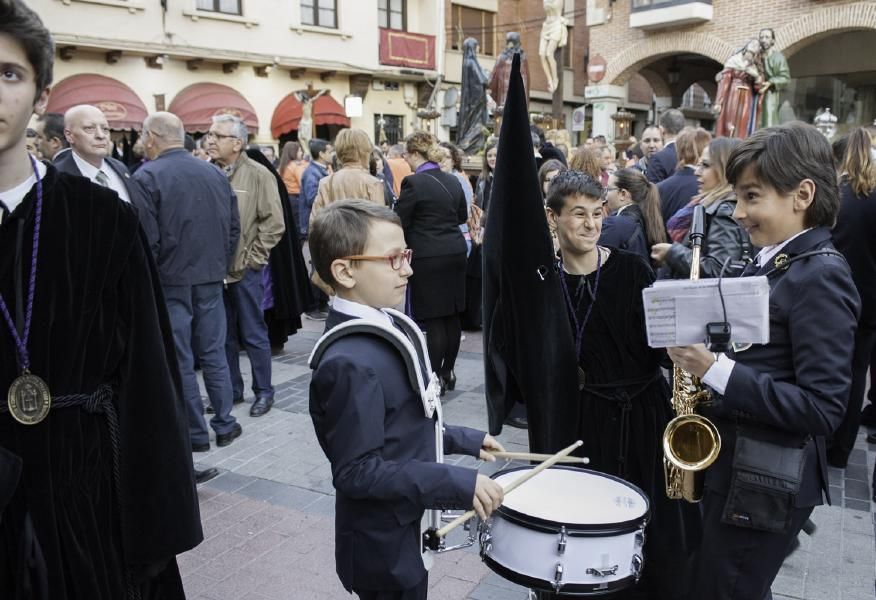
(374, 412)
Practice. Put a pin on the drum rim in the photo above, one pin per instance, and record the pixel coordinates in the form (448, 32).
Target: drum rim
(577, 529)
(589, 589)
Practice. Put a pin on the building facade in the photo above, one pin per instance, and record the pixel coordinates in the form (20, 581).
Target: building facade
(675, 48)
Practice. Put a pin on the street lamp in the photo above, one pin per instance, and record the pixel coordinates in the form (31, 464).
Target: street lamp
(623, 120)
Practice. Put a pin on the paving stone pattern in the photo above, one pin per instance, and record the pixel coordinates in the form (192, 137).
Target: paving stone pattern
(268, 518)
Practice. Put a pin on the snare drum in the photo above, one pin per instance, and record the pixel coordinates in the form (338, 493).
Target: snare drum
(567, 530)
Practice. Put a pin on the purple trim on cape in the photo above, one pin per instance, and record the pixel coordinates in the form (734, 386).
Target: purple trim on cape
(427, 166)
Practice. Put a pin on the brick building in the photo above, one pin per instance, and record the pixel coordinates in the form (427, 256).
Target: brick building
(667, 46)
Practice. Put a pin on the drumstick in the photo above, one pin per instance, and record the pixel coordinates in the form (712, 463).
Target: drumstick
(512, 486)
(531, 456)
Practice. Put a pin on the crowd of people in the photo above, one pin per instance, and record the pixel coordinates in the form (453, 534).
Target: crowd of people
(118, 281)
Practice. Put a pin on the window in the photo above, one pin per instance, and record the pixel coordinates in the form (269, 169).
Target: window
(392, 14)
(478, 24)
(393, 128)
(228, 7)
(567, 50)
(320, 13)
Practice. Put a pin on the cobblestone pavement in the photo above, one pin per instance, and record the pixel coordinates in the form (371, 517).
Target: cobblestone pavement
(268, 518)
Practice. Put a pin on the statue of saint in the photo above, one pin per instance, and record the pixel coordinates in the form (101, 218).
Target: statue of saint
(738, 101)
(472, 100)
(305, 125)
(777, 76)
(553, 35)
(501, 74)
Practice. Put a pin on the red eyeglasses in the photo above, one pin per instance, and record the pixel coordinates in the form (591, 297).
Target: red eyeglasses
(395, 261)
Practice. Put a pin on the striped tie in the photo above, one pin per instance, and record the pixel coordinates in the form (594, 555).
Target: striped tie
(102, 179)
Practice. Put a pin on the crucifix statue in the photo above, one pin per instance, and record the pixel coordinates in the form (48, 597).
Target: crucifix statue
(305, 125)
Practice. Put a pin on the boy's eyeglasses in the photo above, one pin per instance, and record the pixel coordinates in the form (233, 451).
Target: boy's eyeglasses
(395, 261)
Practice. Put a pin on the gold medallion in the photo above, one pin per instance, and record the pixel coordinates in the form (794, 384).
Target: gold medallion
(29, 399)
(781, 260)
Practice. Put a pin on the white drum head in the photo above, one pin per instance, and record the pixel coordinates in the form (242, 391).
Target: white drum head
(574, 497)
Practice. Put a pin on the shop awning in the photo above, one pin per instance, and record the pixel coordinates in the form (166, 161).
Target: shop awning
(326, 111)
(197, 104)
(121, 105)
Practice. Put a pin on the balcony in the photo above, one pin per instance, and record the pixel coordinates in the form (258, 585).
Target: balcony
(650, 15)
(406, 49)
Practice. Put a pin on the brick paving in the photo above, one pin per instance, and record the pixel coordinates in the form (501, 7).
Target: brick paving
(268, 518)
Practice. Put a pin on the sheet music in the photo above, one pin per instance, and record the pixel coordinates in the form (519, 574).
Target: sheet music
(677, 310)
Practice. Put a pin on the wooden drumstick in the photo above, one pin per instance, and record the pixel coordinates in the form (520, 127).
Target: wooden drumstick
(512, 486)
(530, 456)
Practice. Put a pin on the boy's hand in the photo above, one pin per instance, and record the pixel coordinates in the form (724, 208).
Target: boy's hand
(490, 444)
(488, 496)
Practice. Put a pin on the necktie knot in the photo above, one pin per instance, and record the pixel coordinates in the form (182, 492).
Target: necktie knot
(102, 179)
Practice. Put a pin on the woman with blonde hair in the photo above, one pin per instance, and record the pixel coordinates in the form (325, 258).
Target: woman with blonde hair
(724, 237)
(853, 236)
(353, 181)
(677, 190)
(587, 160)
(432, 207)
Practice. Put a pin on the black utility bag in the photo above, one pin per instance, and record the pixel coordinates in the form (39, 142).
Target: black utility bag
(764, 484)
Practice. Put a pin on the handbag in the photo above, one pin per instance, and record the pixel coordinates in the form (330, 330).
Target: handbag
(764, 484)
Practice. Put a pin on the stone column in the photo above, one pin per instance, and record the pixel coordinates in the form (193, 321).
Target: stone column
(605, 100)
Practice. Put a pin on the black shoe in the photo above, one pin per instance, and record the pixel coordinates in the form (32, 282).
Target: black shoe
(261, 406)
(809, 527)
(223, 439)
(201, 447)
(205, 475)
(871, 438)
(449, 381)
(518, 422)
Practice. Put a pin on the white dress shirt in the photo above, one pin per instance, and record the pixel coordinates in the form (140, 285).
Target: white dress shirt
(718, 375)
(12, 198)
(355, 309)
(90, 171)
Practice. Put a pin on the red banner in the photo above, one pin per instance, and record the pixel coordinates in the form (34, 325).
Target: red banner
(405, 49)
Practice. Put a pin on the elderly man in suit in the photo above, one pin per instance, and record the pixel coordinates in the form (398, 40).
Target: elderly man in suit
(88, 133)
(190, 217)
(663, 164)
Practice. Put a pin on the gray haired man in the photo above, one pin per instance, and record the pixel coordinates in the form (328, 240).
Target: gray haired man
(261, 227)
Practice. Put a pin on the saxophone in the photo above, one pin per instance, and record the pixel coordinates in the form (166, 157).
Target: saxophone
(690, 442)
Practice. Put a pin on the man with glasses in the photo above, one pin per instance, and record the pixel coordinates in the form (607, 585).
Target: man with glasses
(261, 227)
(88, 133)
(192, 224)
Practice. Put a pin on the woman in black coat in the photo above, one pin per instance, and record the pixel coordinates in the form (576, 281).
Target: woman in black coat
(432, 206)
(853, 237)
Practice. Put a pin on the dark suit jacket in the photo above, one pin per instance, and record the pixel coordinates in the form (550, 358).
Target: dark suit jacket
(432, 206)
(662, 164)
(65, 163)
(676, 191)
(626, 231)
(797, 384)
(190, 216)
(371, 426)
(853, 236)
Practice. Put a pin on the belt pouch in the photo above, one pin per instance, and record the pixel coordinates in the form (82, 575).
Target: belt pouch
(764, 484)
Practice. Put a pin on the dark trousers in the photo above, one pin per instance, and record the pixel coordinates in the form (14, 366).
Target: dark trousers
(197, 316)
(735, 563)
(443, 336)
(417, 592)
(246, 327)
(844, 437)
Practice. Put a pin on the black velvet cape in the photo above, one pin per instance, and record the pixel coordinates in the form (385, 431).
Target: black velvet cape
(99, 318)
(291, 284)
(623, 410)
(528, 350)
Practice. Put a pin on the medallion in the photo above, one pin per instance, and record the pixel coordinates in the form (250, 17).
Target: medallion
(780, 261)
(29, 399)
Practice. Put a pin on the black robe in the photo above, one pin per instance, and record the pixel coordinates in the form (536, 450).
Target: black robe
(624, 408)
(99, 317)
(291, 285)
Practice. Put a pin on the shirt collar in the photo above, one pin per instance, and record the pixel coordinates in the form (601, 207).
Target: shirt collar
(87, 169)
(768, 252)
(355, 309)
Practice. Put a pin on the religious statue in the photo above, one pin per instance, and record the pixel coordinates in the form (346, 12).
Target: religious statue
(472, 100)
(501, 74)
(739, 98)
(553, 35)
(305, 125)
(777, 76)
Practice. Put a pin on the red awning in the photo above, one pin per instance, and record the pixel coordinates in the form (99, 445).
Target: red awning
(326, 111)
(122, 107)
(197, 104)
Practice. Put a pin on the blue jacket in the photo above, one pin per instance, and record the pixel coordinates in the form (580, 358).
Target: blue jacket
(189, 213)
(369, 421)
(662, 164)
(676, 192)
(797, 385)
(309, 187)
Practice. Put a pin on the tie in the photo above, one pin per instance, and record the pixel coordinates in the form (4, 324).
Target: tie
(102, 179)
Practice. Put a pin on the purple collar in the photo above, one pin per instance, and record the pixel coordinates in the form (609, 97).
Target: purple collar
(427, 166)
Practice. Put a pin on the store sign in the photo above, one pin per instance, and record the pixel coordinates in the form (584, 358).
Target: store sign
(353, 106)
(113, 111)
(579, 118)
(228, 111)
